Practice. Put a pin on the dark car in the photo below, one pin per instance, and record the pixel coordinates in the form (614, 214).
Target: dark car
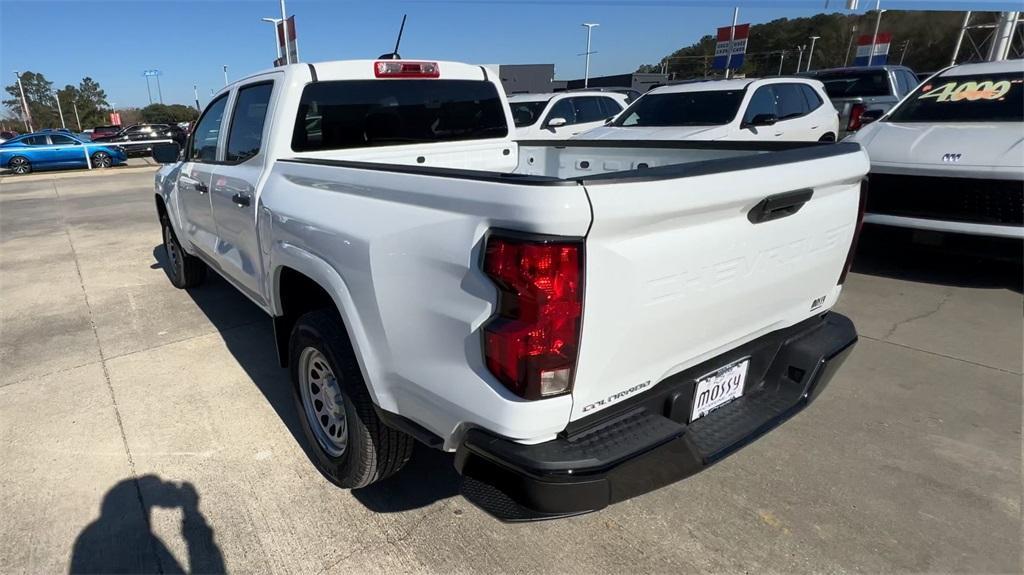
(139, 139)
(854, 91)
(104, 131)
(7, 135)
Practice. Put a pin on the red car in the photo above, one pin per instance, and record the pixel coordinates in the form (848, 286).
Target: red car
(104, 131)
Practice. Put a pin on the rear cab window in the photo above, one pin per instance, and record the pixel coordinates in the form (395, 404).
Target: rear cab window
(856, 83)
(343, 114)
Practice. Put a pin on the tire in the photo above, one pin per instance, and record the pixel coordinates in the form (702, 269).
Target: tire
(19, 165)
(102, 160)
(185, 271)
(829, 137)
(325, 373)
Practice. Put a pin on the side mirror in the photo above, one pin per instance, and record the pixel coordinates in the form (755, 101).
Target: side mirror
(166, 153)
(870, 116)
(762, 120)
(557, 122)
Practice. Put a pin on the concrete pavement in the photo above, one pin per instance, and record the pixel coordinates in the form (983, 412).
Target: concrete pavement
(150, 429)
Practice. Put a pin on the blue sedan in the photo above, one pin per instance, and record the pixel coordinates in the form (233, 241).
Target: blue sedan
(44, 150)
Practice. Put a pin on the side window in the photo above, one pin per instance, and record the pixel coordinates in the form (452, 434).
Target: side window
(790, 101)
(246, 134)
(563, 109)
(609, 107)
(909, 80)
(588, 109)
(813, 99)
(59, 140)
(762, 102)
(203, 147)
(35, 141)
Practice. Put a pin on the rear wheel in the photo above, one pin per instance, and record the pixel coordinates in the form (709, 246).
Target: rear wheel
(351, 445)
(829, 137)
(102, 160)
(19, 165)
(185, 271)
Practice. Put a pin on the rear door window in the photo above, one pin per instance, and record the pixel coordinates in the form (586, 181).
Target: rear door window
(246, 135)
(59, 140)
(811, 96)
(789, 101)
(855, 84)
(344, 114)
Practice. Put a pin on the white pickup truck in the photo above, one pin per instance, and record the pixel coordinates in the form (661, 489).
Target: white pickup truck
(580, 322)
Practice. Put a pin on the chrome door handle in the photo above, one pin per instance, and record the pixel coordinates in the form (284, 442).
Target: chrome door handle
(241, 200)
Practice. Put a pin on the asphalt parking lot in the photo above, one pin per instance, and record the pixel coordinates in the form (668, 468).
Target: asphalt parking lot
(145, 428)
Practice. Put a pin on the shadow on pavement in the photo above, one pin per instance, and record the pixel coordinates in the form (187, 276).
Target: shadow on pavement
(956, 260)
(249, 335)
(121, 539)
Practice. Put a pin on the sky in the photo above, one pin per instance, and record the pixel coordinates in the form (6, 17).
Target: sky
(114, 41)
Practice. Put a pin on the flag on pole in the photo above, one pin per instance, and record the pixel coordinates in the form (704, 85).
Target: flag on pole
(737, 48)
(293, 48)
(881, 49)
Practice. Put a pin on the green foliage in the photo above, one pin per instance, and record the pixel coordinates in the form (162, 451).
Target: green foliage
(172, 114)
(88, 97)
(931, 37)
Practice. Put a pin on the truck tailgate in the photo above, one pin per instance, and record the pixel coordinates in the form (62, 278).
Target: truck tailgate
(677, 273)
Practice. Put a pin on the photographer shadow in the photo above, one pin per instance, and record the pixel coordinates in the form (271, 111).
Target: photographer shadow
(121, 540)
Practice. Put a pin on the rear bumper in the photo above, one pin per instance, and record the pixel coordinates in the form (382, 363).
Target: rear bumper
(646, 443)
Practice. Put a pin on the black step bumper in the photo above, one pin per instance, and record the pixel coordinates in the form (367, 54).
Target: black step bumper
(646, 443)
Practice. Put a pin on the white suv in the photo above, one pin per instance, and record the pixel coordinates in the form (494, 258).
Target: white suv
(775, 109)
(563, 115)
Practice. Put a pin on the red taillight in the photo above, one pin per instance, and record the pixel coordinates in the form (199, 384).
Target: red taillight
(856, 111)
(856, 231)
(402, 69)
(531, 343)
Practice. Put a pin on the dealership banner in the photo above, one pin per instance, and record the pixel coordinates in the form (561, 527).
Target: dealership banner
(738, 47)
(881, 49)
(292, 48)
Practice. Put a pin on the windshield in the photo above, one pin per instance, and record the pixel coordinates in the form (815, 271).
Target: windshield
(855, 84)
(364, 113)
(977, 98)
(527, 113)
(711, 108)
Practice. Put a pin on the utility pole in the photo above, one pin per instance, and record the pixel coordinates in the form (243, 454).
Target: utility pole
(159, 91)
(878, 22)
(60, 112)
(849, 45)
(960, 37)
(77, 119)
(27, 116)
(1002, 37)
(801, 58)
(586, 74)
(284, 32)
(277, 45)
(732, 38)
(225, 74)
(811, 53)
(195, 94)
(149, 90)
(782, 58)
(906, 48)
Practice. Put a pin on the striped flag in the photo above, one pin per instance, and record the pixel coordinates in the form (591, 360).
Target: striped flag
(738, 47)
(864, 49)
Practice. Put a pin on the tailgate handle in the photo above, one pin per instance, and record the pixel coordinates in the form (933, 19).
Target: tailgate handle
(779, 206)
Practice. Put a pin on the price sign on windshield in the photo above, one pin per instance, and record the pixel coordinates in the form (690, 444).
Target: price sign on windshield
(969, 90)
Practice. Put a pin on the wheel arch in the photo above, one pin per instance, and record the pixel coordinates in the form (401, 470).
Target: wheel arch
(305, 282)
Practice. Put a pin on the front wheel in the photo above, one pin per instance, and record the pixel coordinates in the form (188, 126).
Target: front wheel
(19, 165)
(352, 447)
(102, 160)
(185, 271)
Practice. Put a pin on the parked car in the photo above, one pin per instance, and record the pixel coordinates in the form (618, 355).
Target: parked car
(769, 109)
(431, 279)
(950, 157)
(45, 150)
(139, 139)
(100, 132)
(7, 135)
(854, 91)
(562, 115)
(629, 93)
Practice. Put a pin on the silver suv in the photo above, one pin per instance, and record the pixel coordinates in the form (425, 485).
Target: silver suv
(854, 91)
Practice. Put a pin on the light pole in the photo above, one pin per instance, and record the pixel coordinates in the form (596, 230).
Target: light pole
(195, 94)
(801, 58)
(77, 119)
(59, 111)
(782, 58)
(586, 74)
(878, 22)
(277, 45)
(811, 53)
(284, 32)
(27, 116)
(732, 39)
(225, 74)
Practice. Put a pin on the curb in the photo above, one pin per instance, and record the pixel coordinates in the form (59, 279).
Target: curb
(77, 174)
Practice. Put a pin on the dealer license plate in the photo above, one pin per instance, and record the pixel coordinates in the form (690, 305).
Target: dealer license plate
(719, 388)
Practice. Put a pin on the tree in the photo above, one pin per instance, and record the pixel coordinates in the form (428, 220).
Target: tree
(87, 96)
(168, 114)
(39, 94)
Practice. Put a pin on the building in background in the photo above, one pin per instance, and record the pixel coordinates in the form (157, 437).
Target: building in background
(637, 81)
(525, 78)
